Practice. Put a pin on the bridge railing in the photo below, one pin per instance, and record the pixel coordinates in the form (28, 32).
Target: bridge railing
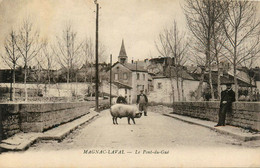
(38, 117)
(243, 114)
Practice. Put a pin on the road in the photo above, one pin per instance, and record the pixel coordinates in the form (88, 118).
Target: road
(149, 132)
(154, 141)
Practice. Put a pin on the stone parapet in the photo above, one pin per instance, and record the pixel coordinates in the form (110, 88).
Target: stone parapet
(243, 114)
(38, 117)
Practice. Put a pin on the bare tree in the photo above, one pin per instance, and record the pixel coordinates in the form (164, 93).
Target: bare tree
(38, 73)
(11, 57)
(68, 51)
(171, 42)
(197, 57)
(178, 47)
(218, 52)
(88, 50)
(242, 29)
(102, 52)
(162, 45)
(201, 16)
(249, 63)
(28, 46)
(48, 57)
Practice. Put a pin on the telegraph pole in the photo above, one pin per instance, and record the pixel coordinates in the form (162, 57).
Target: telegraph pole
(110, 80)
(97, 74)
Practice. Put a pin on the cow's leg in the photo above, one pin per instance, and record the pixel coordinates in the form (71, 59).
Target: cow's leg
(128, 119)
(133, 119)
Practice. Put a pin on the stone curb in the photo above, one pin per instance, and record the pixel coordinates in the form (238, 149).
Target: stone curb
(222, 130)
(61, 135)
(58, 133)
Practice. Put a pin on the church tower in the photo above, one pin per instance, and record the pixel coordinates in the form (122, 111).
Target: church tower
(122, 58)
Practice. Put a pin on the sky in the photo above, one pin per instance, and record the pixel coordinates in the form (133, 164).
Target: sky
(138, 22)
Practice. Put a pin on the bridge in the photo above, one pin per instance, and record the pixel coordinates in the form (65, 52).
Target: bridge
(173, 138)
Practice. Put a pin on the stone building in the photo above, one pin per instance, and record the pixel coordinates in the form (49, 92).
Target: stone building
(165, 88)
(129, 77)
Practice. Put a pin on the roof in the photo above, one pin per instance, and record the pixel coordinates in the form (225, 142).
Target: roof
(142, 63)
(182, 73)
(121, 85)
(159, 77)
(196, 76)
(161, 60)
(226, 79)
(131, 67)
(134, 67)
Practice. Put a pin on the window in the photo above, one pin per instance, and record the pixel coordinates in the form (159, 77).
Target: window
(116, 76)
(138, 76)
(125, 76)
(125, 91)
(159, 85)
(140, 87)
(143, 76)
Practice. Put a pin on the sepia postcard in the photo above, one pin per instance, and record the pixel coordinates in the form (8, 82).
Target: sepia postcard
(129, 83)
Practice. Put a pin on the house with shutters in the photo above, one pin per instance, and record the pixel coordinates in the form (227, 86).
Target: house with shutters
(129, 77)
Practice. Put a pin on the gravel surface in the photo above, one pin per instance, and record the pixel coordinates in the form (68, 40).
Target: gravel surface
(152, 131)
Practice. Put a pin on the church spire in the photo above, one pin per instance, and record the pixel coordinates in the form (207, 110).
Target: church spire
(122, 50)
(122, 58)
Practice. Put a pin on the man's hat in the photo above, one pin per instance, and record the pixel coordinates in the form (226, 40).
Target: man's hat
(228, 84)
(141, 90)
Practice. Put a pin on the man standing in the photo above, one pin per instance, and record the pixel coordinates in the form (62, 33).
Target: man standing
(142, 101)
(227, 98)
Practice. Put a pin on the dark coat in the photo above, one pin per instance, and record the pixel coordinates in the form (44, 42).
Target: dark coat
(121, 100)
(138, 98)
(229, 96)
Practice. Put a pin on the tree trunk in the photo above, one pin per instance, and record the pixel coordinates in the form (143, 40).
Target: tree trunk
(219, 89)
(68, 75)
(199, 90)
(178, 87)
(173, 96)
(235, 65)
(210, 83)
(25, 86)
(13, 89)
(182, 90)
(251, 89)
(49, 83)
(172, 87)
(91, 86)
(236, 84)
(76, 90)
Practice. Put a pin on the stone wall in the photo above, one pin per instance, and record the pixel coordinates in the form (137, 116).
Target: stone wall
(38, 117)
(244, 114)
(9, 120)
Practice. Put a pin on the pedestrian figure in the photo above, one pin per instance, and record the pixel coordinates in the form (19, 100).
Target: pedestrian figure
(207, 95)
(121, 100)
(142, 101)
(227, 98)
